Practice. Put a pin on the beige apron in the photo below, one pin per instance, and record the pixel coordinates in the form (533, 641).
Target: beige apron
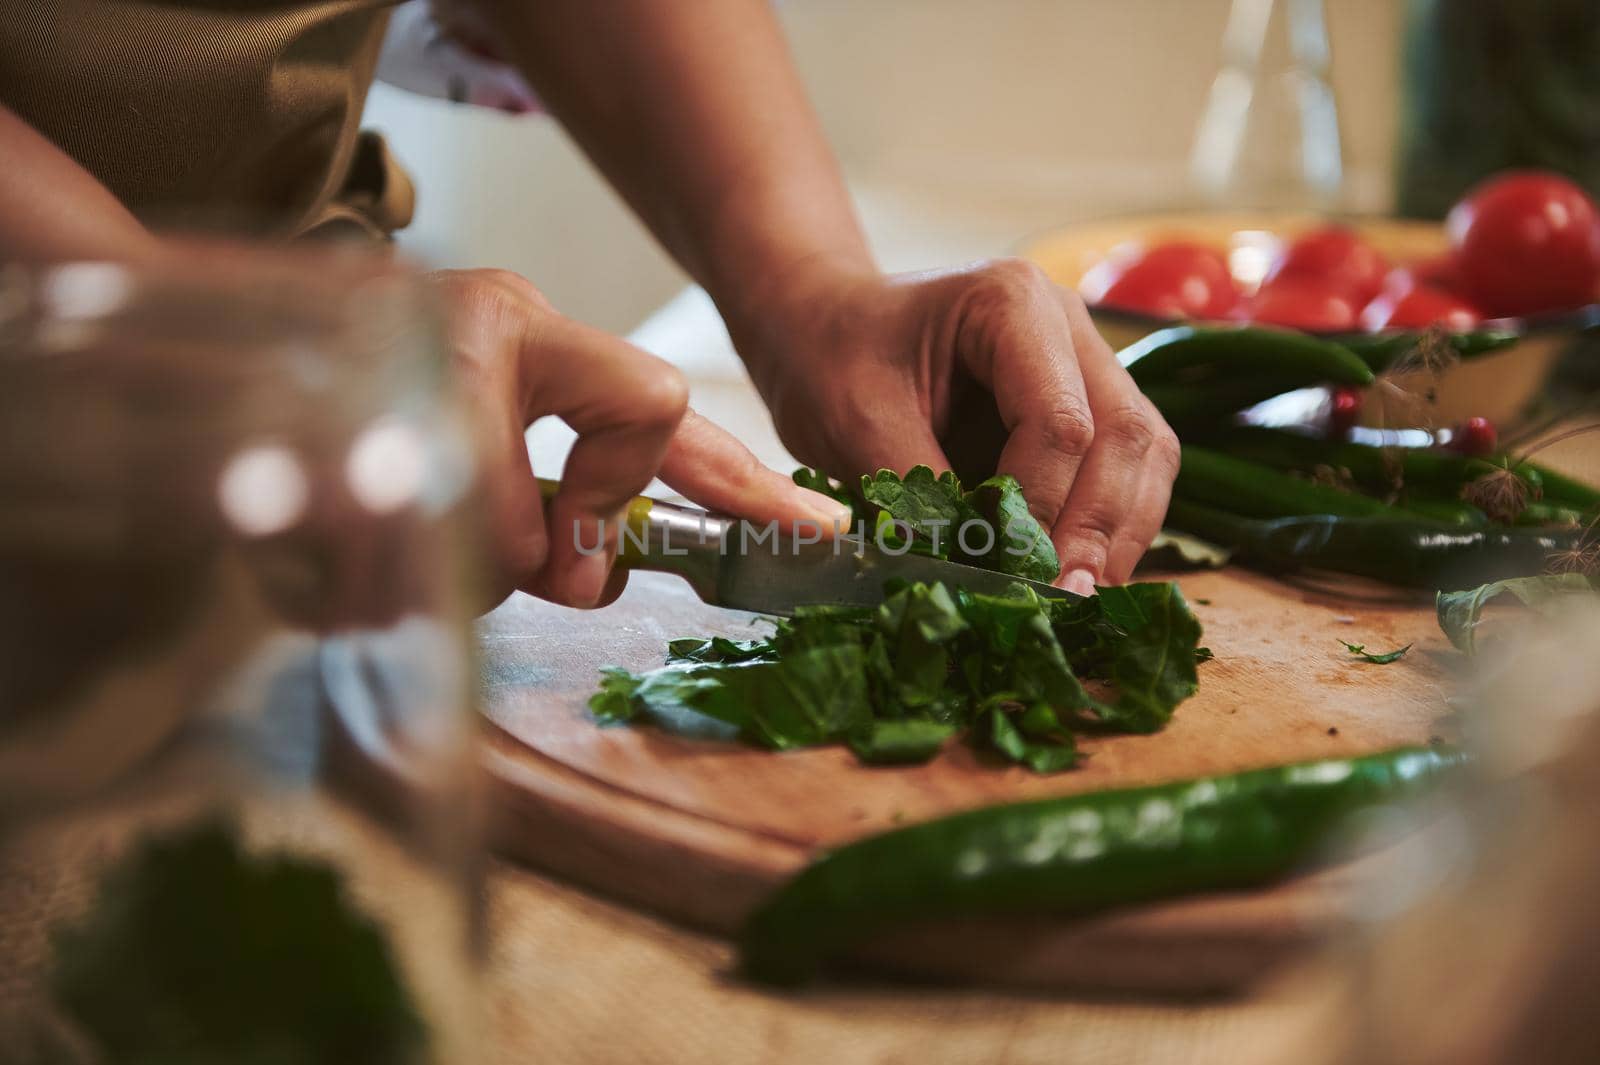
(241, 115)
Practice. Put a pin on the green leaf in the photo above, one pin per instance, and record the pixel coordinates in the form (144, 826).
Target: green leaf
(1022, 547)
(1460, 612)
(1034, 737)
(717, 649)
(1153, 663)
(1377, 659)
(613, 704)
(902, 742)
(932, 507)
(689, 698)
(1179, 550)
(818, 481)
(993, 520)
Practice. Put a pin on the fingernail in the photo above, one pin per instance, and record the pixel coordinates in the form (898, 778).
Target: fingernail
(829, 512)
(1078, 582)
(586, 580)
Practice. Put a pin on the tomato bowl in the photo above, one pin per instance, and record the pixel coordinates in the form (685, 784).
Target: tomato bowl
(1498, 386)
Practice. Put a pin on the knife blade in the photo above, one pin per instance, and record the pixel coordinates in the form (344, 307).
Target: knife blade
(742, 566)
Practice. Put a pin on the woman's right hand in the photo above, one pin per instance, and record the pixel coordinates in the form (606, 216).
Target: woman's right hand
(521, 360)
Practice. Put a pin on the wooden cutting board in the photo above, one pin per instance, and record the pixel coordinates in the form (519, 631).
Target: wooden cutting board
(701, 831)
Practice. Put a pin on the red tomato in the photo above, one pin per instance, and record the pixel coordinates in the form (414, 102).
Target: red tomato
(1177, 279)
(1302, 303)
(1525, 242)
(1337, 256)
(1420, 305)
(1438, 272)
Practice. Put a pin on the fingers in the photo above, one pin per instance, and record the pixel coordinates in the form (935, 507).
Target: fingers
(519, 541)
(1019, 344)
(522, 361)
(712, 468)
(1149, 510)
(1119, 496)
(624, 404)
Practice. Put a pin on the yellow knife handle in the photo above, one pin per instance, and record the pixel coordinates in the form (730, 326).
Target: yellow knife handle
(635, 531)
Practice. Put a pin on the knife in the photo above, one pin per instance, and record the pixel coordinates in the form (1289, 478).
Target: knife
(742, 566)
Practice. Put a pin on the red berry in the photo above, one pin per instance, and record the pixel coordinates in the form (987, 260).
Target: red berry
(1344, 410)
(1475, 436)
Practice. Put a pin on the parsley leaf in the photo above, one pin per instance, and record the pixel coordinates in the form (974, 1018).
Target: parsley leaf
(1377, 659)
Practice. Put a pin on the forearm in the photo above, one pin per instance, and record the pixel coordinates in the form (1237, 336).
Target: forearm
(695, 113)
(53, 209)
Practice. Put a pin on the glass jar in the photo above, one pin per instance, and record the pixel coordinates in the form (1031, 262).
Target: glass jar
(1269, 135)
(237, 814)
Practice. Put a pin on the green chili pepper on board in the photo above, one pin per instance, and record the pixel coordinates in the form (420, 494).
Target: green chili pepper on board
(1076, 855)
(1413, 553)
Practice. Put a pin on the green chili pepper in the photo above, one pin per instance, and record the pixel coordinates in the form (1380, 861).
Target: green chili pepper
(1550, 514)
(1559, 488)
(1077, 854)
(1446, 511)
(1245, 487)
(1187, 355)
(1414, 553)
(1203, 409)
(1373, 468)
(1381, 351)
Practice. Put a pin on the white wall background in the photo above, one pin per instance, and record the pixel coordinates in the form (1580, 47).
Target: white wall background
(963, 125)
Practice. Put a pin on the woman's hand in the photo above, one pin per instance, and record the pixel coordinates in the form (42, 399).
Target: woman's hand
(521, 360)
(863, 371)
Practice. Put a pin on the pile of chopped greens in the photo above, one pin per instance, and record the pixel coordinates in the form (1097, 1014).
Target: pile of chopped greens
(897, 681)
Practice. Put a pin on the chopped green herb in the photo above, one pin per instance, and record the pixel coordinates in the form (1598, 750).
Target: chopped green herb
(1383, 659)
(897, 681)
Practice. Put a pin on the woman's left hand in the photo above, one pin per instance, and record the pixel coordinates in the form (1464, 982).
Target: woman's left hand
(863, 371)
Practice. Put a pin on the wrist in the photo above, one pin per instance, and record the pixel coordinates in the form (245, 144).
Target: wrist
(779, 313)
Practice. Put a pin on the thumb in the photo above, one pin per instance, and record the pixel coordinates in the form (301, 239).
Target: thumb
(716, 471)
